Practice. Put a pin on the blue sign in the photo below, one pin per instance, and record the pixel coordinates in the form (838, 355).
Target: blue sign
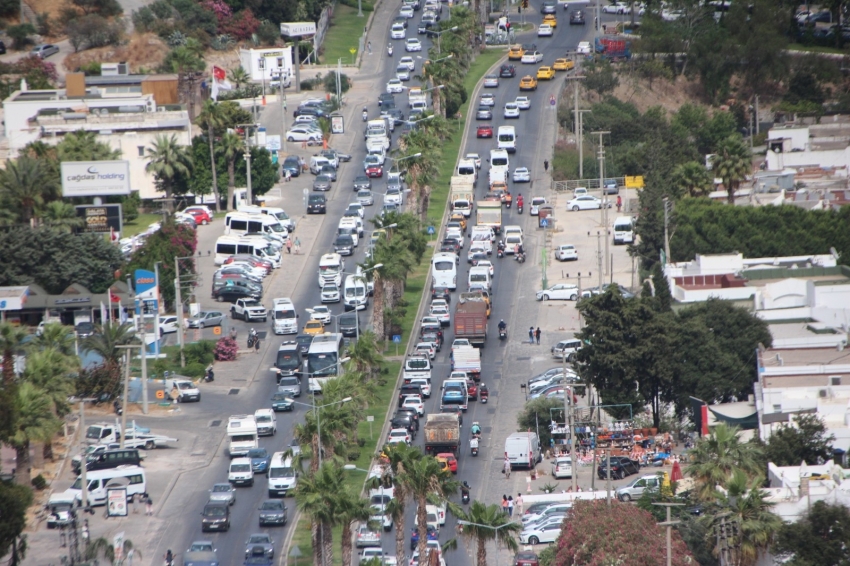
(397, 338)
(431, 231)
(145, 281)
(544, 222)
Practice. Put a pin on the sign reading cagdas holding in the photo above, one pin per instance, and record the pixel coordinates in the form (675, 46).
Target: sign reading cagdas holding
(95, 178)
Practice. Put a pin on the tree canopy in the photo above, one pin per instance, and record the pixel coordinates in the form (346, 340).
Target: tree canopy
(804, 441)
(171, 241)
(820, 538)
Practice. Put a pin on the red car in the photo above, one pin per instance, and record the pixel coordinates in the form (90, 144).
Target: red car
(374, 171)
(485, 131)
(200, 216)
(449, 458)
(472, 389)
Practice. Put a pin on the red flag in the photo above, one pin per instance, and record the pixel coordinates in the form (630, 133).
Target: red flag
(113, 297)
(218, 73)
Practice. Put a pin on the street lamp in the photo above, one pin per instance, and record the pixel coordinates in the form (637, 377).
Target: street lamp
(429, 61)
(459, 522)
(318, 417)
(439, 34)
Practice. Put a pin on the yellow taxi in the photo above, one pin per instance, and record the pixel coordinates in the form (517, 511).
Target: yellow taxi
(376, 236)
(516, 52)
(528, 83)
(546, 73)
(460, 219)
(563, 64)
(314, 327)
(551, 20)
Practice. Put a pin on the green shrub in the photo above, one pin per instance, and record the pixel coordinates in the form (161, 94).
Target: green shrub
(38, 482)
(194, 369)
(200, 352)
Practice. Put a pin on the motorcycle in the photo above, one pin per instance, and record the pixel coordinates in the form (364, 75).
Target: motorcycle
(520, 257)
(473, 446)
(483, 393)
(365, 115)
(116, 405)
(519, 208)
(390, 50)
(500, 254)
(503, 333)
(464, 492)
(252, 338)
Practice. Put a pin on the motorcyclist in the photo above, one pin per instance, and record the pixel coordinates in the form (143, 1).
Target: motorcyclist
(390, 48)
(502, 325)
(464, 488)
(519, 200)
(476, 429)
(365, 114)
(169, 558)
(483, 391)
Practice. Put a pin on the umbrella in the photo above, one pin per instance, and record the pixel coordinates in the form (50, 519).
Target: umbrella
(676, 472)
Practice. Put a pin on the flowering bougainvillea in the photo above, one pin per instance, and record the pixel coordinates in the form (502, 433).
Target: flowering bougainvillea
(225, 349)
(222, 11)
(241, 26)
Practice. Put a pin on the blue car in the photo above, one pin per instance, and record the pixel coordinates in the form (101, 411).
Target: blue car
(259, 460)
(414, 536)
(293, 165)
(280, 402)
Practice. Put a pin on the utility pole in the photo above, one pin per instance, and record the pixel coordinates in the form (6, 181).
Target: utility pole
(599, 256)
(604, 208)
(577, 115)
(248, 194)
(283, 113)
(669, 525)
(126, 389)
(178, 301)
(570, 408)
(608, 476)
(666, 230)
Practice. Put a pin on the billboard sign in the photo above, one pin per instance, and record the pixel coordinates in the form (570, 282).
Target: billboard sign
(296, 29)
(145, 283)
(116, 502)
(95, 178)
(101, 219)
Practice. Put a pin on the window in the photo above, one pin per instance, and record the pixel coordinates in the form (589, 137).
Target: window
(444, 266)
(141, 149)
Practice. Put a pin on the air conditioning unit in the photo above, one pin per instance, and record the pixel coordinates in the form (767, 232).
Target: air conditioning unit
(834, 380)
(823, 393)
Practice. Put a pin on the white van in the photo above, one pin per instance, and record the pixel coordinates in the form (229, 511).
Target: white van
(331, 267)
(466, 168)
(130, 477)
(226, 246)
(444, 270)
(241, 223)
(506, 139)
(285, 319)
(480, 276)
(499, 158)
(242, 431)
(511, 228)
(278, 213)
(282, 475)
(241, 472)
(624, 230)
(259, 247)
(355, 293)
(523, 450)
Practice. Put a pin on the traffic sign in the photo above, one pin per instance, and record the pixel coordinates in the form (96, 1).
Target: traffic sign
(431, 231)
(397, 338)
(552, 100)
(544, 222)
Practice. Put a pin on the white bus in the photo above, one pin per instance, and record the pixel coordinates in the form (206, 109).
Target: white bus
(624, 230)
(506, 138)
(330, 269)
(444, 270)
(226, 246)
(323, 356)
(278, 213)
(130, 477)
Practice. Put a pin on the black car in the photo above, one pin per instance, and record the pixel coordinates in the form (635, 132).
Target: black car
(438, 292)
(348, 323)
(410, 412)
(304, 341)
(621, 466)
(450, 245)
(577, 18)
(549, 7)
(409, 389)
(386, 97)
(317, 204)
(272, 512)
(344, 244)
(397, 115)
(232, 293)
(311, 111)
(526, 47)
(507, 71)
(215, 517)
(405, 421)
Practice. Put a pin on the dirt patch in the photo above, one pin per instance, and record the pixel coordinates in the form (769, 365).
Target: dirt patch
(227, 60)
(670, 95)
(51, 7)
(144, 53)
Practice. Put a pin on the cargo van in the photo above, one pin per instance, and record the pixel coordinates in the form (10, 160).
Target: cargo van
(523, 450)
(466, 168)
(241, 223)
(355, 293)
(506, 138)
(278, 213)
(480, 276)
(284, 319)
(242, 432)
(282, 475)
(624, 230)
(499, 158)
(131, 478)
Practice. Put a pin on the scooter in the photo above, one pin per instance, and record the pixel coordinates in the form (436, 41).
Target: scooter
(503, 333)
(520, 258)
(464, 492)
(116, 405)
(390, 50)
(252, 338)
(209, 375)
(473, 446)
(519, 208)
(500, 254)
(365, 115)
(483, 393)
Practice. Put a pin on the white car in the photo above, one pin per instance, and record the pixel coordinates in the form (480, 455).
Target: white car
(617, 8)
(487, 99)
(442, 312)
(168, 324)
(305, 119)
(559, 291)
(585, 202)
(523, 102)
(522, 175)
(321, 313)
(414, 402)
(457, 233)
(422, 382)
(532, 57)
(304, 133)
(394, 196)
(398, 435)
(544, 30)
(546, 534)
(412, 44)
(397, 32)
(406, 12)
(584, 48)
(330, 293)
(426, 349)
(394, 86)
(408, 62)
(562, 467)
(358, 208)
(566, 252)
(486, 263)
(511, 110)
(476, 158)
(536, 203)
(402, 73)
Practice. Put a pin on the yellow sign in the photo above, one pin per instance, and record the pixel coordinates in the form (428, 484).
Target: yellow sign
(635, 182)
(353, 50)
(217, 330)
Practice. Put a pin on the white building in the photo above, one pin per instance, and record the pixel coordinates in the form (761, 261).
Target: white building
(268, 65)
(825, 145)
(127, 121)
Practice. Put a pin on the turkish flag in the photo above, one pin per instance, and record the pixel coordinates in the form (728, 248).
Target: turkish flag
(113, 298)
(218, 73)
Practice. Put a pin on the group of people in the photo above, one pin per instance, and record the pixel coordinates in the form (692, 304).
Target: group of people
(508, 504)
(534, 335)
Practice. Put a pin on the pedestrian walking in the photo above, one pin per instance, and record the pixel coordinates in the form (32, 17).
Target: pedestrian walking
(507, 467)
(619, 203)
(174, 394)
(297, 246)
(135, 500)
(510, 506)
(233, 332)
(148, 504)
(518, 504)
(505, 504)
(289, 245)
(287, 175)
(546, 165)
(531, 334)
(257, 345)
(369, 47)
(537, 335)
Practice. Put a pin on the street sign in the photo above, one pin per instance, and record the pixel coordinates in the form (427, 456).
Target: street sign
(544, 222)
(552, 100)
(431, 231)
(273, 143)
(397, 338)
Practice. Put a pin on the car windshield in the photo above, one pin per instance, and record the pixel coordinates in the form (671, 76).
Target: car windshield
(221, 488)
(260, 452)
(272, 505)
(215, 511)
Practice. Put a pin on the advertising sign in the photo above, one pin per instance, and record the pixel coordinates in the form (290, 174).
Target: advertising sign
(101, 219)
(337, 124)
(295, 29)
(116, 502)
(95, 178)
(145, 283)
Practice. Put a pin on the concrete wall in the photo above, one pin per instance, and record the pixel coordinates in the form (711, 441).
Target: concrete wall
(276, 60)
(798, 138)
(833, 159)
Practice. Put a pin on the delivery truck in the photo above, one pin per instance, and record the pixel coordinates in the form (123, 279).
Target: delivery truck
(442, 433)
(471, 322)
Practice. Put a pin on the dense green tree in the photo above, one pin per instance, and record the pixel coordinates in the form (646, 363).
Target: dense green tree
(85, 146)
(804, 441)
(55, 259)
(61, 216)
(171, 241)
(14, 501)
(230, 149)
(600, 77)
(20, 34)
(316, 496)
(36, 422)
(820, 538)
(757, 29)
(692, 179)
(24, 185)
(400, 457)
(537, 414)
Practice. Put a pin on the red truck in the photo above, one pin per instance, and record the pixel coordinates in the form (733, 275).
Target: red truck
(471, 322)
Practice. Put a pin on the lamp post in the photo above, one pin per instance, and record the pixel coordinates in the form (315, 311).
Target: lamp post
(316, 409)
(248, 194)
(439, 35)
(492, 529)
(429, 61)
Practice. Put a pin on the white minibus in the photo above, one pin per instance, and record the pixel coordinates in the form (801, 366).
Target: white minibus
(444, 270)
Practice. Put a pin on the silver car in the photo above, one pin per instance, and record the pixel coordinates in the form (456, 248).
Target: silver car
(364, 197)
(322, 183)
(206, 318)
(223, 492)
(44, 50)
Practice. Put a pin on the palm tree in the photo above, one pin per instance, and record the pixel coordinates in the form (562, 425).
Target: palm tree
(731, 162)
(24, 183)
(743, 511)
(692, 179)
(213, 117)
(57, 336)
(316, 496)
(49, 370)
(364, 354)
(489, 522)
(239, 77)
(167, 159)
(36, 422)
(106, 339)
(425, 480)
(717, 456)
(61, 215)
(11, 343)
(231, 147)
(351, 509)
(400, 457)
(84, 146)
(101, 546)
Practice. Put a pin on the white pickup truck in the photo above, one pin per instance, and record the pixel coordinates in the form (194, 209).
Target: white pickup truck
(416, 367)
(105, 433)
(248, 310)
